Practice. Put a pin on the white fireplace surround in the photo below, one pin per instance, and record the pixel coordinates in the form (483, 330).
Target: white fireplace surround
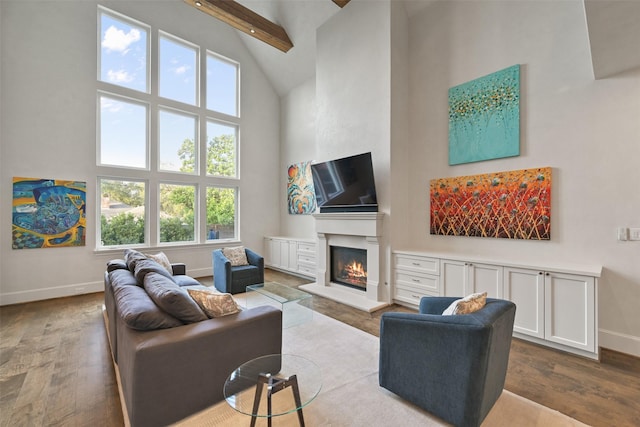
(354, 230)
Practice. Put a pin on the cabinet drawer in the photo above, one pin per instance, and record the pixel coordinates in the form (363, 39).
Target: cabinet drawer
(425, 282)
(307, 263)
(410, 294)
(306, 258)
(307, 270)
(306, 247)
(418, 263)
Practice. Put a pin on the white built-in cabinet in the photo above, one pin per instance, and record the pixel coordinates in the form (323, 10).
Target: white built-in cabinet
(565, 306)
(464, 278)
(555, 306)
(296, 256)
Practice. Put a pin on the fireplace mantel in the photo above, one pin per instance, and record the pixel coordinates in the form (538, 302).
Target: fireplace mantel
(351, 229)
(368, 224)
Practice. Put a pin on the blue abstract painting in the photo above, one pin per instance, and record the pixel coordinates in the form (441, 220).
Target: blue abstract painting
(484, 118)
(48, 213)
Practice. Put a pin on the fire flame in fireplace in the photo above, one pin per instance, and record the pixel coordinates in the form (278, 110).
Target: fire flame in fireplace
(355, 271)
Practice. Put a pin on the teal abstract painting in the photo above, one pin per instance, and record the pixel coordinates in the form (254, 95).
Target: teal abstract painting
(484, 118)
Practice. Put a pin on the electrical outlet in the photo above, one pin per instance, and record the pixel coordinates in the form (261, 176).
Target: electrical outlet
(622, 234)
(634, 234)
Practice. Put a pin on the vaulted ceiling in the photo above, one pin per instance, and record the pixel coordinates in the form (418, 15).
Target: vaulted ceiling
(290, 26)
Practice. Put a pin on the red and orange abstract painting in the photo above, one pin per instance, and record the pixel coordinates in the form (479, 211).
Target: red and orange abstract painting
(510, 205)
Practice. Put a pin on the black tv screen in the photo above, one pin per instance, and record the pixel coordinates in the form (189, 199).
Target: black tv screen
(345, 185)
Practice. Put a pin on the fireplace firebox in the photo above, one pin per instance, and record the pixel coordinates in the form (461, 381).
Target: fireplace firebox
(349, 267)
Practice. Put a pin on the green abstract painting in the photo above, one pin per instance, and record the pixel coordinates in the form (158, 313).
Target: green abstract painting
(484, 118)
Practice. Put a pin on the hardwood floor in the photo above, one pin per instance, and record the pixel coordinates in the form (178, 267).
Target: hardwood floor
(55, 367)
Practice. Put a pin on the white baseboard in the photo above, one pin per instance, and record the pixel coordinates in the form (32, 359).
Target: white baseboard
(616, 341)
(19, 297)
(199, 272)
(49, 293)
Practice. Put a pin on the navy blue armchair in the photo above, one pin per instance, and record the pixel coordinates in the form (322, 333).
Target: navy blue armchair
(235, 279)
(451, 366)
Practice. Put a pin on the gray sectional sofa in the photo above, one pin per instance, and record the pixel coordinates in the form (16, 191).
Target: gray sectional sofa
(173, 361)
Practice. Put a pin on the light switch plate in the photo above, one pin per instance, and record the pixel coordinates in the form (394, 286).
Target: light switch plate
(622, 233)
(634, 234)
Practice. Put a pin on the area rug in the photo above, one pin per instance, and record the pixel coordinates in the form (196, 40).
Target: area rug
(351, 396)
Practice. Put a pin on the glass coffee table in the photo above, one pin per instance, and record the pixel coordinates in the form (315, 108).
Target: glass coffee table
(296, 305)
(273, 385)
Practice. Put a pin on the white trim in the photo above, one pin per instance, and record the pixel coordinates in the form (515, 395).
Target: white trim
(616, 341)
(49, 293)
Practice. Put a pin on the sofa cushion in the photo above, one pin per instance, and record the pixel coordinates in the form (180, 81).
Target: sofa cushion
(172, 298)
(131, 257)
(138, 310)
(183, 280)
(116, 264)
(236, 255)
(122, 277)
(466, 305)
(213, 303)
(146, 266)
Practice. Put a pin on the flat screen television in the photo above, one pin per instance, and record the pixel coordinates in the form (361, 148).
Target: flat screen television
(345, 185)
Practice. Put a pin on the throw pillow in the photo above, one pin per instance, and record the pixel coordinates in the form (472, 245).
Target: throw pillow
(213, 303)
(236, 255)
(466, 305)
(172, 299)
(161, 259)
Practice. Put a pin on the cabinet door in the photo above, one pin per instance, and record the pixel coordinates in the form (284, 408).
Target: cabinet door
(453, 278)
(484, 278)
(293, 255)
(526, 289)
(570, 310)
(284, 253)
(275, 252)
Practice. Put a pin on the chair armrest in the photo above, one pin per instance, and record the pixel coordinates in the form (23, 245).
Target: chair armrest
(221, 271)
(218, 257)
(179, 268)
(254, 258)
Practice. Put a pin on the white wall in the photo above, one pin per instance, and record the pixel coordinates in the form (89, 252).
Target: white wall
(353, 89)
(48, 130)
(298, 130)
(588, 131)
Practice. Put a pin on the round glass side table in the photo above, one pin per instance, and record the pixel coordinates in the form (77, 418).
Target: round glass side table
(273, 385)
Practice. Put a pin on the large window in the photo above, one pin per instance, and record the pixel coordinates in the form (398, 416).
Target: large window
(167, 139)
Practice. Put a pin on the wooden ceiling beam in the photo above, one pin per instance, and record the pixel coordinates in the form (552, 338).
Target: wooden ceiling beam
(341, 3)
(245, 20)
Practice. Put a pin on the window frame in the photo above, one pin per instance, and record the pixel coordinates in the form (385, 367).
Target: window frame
(125, 99)
(152, 175)
(198, 83)
(133, 22)
(145, 183)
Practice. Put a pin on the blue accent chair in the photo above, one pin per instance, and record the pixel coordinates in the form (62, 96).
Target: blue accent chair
(233, 280)
(451, 366)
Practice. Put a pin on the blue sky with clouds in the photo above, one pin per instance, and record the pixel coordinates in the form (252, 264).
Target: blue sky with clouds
(124, 61)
